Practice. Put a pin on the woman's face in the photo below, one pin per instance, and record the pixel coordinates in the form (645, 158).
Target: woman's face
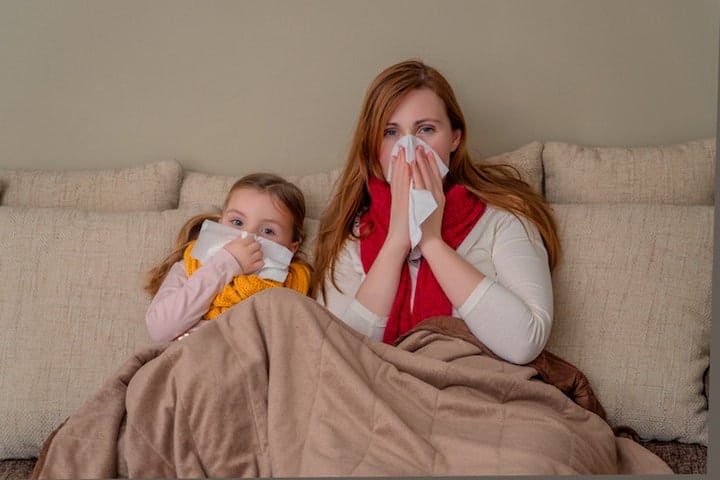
(421, 113)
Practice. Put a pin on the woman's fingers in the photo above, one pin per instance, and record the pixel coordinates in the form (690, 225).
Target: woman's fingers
(400, 178)
(399, 231)
(426, 174)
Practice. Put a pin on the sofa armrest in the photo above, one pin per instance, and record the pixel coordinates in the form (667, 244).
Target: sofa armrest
(682, 458)
(16, 469)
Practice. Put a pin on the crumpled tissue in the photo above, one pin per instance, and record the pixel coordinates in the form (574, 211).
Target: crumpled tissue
(213, 236)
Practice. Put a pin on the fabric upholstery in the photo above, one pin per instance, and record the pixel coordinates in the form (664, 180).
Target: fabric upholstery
(632, 311)
(155, 186)
(71, 309)
(678, 174)
(527, 160)
(202, 188)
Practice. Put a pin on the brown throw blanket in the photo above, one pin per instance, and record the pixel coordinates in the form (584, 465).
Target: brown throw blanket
(277, 386)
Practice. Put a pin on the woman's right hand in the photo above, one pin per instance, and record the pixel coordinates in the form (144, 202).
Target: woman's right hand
(398, 238)
(377, 290)
(247, 252)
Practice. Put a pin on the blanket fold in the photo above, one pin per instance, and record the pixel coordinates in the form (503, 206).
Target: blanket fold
(278, 386)
(550, 368)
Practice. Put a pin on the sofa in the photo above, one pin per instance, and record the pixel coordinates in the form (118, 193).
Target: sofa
(632, 289)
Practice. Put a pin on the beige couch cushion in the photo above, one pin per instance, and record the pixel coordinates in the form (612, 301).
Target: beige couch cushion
(72, 309)
(528, 161)
(632, 311)
(202, 189)
(155, 186)
(681, 174)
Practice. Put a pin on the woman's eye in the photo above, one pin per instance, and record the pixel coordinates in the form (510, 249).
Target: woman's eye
(390, 132)
(268, 231)
(426, 129)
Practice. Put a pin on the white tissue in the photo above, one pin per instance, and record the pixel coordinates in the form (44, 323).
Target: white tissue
(422, 203)
(410, 144)
(213, 236)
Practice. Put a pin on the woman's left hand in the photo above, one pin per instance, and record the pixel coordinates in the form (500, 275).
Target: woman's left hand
(426, 176)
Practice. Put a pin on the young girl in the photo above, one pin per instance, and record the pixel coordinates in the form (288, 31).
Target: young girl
(188, 293)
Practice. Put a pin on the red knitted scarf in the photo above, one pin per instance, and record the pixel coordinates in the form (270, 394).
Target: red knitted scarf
(462, 211)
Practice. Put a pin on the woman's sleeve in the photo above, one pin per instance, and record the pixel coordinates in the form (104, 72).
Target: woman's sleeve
(181, 302)
(349, 275)
(512, 314)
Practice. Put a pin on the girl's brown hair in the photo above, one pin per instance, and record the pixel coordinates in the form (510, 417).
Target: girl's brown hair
(284, 192)
(498, 185)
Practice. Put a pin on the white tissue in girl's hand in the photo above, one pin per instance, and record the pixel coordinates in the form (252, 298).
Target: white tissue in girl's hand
(213, 236)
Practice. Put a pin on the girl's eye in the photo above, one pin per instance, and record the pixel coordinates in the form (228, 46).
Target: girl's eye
(237, 222)
(267, 231)
(390, 132)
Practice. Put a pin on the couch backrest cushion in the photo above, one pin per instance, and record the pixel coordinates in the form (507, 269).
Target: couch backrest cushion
(632, 311)
(202, 189)
(71, 309)
(682, 174)
(155, 186)
(527, 160)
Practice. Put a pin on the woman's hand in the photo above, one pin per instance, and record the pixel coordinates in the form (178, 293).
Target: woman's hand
(456, 276)
(247, 252)
(398, 238)
(426, 176)
(377, 290)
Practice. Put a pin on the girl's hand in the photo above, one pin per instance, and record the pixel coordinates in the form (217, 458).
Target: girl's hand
(399, 230)
(247, 252)
(426, 176)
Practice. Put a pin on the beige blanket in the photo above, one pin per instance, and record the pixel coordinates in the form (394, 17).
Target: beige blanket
(277, 386)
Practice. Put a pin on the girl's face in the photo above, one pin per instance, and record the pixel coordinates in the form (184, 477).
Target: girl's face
(421, 113)
(259, 213)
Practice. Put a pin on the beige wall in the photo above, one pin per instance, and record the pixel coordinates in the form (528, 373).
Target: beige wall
(233, 86)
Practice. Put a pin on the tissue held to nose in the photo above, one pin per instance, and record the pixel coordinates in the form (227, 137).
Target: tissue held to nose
(213, 236)
(410, 144)
(422, 203)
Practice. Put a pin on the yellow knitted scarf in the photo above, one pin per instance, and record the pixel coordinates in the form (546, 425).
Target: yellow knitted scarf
(243, 286)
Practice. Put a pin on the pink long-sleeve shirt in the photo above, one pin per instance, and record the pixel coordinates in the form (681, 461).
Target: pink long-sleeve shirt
(181, 301)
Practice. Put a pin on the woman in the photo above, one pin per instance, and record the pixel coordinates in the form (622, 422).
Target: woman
(485, 252)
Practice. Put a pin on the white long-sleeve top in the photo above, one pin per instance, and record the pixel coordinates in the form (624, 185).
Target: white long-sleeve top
(510, 310)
